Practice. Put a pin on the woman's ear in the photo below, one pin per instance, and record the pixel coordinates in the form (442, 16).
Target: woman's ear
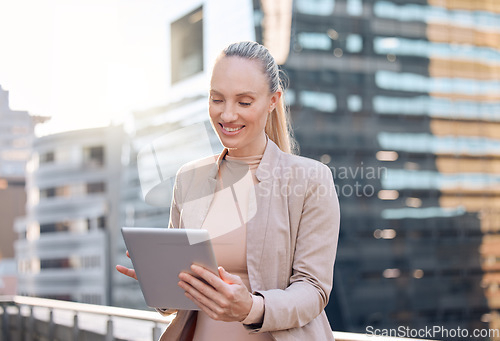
(275, 98)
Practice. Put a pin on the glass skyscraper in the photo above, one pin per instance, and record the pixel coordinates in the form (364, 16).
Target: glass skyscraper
(402, 100)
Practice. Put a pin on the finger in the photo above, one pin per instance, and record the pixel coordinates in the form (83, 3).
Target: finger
(126, 271)
(211, 278)
(229, 278)
(204, 292)
(206, 303)
(203, 307)
(128, 255)
(198, 284)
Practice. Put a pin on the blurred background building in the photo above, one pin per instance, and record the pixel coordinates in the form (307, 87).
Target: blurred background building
(405, 94)
(400, 98)
(66, 241)
(16, 137)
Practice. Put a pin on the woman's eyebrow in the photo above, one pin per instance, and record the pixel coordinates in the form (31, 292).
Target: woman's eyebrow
(245, 93)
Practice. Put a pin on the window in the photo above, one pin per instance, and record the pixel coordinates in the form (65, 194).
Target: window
(354, 43)
(315, 7)
(96, 187)
(354, 103)
(355, 7)
(94, 155)
(314, 41)
(47, 157)
(187, 45)
(48, 192)
(321, 101)
(73, 226)
(101, 222)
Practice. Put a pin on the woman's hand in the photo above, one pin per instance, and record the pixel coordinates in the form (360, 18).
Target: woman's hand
(225, 298)
(126, 271)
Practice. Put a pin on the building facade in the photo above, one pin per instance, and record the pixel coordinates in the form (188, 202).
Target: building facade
(66, 241)
(401, 100)
(16, 138)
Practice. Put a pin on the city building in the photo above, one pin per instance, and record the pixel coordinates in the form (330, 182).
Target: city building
(66, 242)
(401, 100)
(16, 137)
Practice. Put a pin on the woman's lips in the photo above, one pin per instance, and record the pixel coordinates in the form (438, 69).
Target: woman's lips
(231, 130)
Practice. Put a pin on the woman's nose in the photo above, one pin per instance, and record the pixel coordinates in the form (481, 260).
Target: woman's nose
(229, 113)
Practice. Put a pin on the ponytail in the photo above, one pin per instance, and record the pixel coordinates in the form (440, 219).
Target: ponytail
(279, 128)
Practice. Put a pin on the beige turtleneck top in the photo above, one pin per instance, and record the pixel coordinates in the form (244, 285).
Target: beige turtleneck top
(233, 205)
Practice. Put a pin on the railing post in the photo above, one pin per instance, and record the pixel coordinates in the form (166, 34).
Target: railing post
(51, 324)
(20, 324)
(156, 332)
(109, 333)
(31, 325)
(5, 324)
(76, 328)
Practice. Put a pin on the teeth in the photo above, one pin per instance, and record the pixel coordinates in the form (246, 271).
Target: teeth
(232, 129)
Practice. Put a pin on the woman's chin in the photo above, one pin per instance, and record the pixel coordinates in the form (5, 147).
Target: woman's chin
(229, 141)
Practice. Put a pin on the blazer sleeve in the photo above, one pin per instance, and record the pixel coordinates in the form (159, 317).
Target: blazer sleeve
(313, 261)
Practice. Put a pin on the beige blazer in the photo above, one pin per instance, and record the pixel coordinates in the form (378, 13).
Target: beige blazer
(291, 240)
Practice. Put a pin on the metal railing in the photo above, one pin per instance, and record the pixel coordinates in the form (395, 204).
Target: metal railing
(17, 302)
(25, 323)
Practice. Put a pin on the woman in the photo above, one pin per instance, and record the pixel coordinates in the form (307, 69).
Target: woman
(273, 216)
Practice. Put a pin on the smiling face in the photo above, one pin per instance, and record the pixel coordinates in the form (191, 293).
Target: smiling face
(240, 102)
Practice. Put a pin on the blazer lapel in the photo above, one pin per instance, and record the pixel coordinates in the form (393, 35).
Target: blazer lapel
(195, 208)
(257, 227)
(197, 202)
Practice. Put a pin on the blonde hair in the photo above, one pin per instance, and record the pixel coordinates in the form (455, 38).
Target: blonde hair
(278, 126)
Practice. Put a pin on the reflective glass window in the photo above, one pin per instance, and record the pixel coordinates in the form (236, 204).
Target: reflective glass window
(187, 45)
(419, 83)
(290, 97)
(427, 143)
(314, 41)
(426, 13)
(427, 49)
(354, 43)
(355, 7)
(315, 7)
(354, 103)
(321, 101)
(409, 179)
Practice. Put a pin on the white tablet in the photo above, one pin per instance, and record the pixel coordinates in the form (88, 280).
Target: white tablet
(160, 254)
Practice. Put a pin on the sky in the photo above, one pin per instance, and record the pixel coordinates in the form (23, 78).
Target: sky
(85, 63)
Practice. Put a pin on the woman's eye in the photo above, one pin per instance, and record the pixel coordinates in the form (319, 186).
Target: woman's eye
(216, 100)
(245, 104)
